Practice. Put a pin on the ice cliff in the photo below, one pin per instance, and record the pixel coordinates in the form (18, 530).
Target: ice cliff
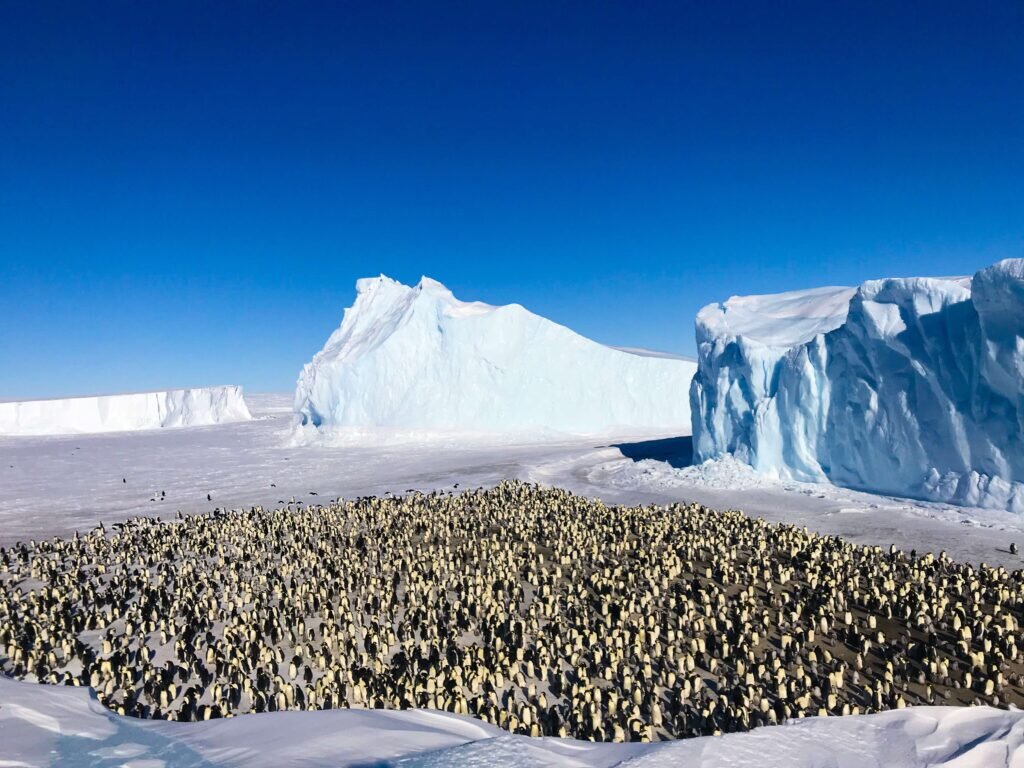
(909, 386)
(122, 413)
(417, 358)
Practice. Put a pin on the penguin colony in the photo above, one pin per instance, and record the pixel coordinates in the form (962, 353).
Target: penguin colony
(540, 611)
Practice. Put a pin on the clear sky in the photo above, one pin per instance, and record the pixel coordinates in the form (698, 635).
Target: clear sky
(189, 191)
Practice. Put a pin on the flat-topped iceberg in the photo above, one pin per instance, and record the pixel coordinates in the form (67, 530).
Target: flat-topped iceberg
(909, 386)
(417, 358)
(201, 406)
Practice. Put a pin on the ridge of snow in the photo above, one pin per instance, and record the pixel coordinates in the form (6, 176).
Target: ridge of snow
(776, 320)
(417, 358)
(200, 406)
(908, 386)
(644, 352)
(44, 725)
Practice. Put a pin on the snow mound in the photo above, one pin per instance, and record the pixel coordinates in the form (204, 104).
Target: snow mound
(417, 358)
(44, 725)
(777, 320)
(907, 386)
(124, 413)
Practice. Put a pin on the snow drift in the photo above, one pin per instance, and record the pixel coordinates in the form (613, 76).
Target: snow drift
(44, 725)
(417, 358)
(126, 412)
(908, 386)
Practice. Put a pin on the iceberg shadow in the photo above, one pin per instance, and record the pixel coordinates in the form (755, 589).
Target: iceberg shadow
(676, 451)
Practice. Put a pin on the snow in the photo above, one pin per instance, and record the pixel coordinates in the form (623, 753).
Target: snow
(59, 484)
(644, 352)
(777, 320)
(623, 475)
(416, 358)
(909, 386)
(124, 412)
(54, 485)
(64, 726)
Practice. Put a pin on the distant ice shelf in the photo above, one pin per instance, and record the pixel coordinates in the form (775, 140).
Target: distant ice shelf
(196, 407)
(417, 358)
(907, 386)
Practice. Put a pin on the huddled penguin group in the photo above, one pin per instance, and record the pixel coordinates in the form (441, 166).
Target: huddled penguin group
(534, 609)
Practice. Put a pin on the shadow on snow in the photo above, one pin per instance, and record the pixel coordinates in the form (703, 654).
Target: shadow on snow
(677, 451)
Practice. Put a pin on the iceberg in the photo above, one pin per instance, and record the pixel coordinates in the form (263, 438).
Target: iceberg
(202, 406)
(905, 386)
(416, 358)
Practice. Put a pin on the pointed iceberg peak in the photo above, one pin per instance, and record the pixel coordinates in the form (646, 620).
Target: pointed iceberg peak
(387, 289)
(369, 285)
(432, 285)
(417, 358)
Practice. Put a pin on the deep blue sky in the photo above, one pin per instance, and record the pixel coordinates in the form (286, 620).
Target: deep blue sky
(188, 192)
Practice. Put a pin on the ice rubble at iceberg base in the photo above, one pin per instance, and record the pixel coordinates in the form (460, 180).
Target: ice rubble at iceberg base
(908, 386)
(417, 359)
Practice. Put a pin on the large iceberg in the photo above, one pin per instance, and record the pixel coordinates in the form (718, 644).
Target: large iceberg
(201, 406)
(417, 358)
(909, 386)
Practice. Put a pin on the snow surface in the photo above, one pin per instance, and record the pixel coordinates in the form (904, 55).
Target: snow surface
(57, 485)
(777, 320)
(910, 386)
(623, 475)
(644, 352)
(201, 406)
(64, 726)
(417, 358)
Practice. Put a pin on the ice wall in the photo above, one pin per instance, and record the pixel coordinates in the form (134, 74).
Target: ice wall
(126, 412)
(417, 358)
(909, 386)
